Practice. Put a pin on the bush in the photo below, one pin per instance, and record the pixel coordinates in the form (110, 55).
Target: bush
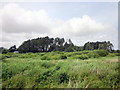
(8, 55)
(42, 54)
(102, 53)
(69, 54)
(47, 65)
(63, 77)
(85, 52)
(2, 57)
(57, 52)
(83, 56)
(111, 54)
(63, 57)
(45, 57)
(117, 54)
(24, 56)
(93, 55)
(4, 51)
(55, 57)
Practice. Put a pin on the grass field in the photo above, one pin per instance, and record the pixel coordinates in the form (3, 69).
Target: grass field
(86, 69)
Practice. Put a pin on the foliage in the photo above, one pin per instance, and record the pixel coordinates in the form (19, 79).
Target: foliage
(102, 53)
(93, 55)
(98, 45)
(83, 56)
(3, 50)
(31, 72)
(46, 44)
(117, 54)
(63, 57)
(63, 77)
(12, 48)
(45, 57)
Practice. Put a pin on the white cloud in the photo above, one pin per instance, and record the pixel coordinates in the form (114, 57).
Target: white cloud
(15, 19)
(19, 24)
(80, 26)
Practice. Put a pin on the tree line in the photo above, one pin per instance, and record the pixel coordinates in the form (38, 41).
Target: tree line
(46, 44)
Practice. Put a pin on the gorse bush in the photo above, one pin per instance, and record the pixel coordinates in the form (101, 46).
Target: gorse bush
(102, 53)
(47, 65)
(63, 57)
(45, 57)
(2, 57)
(63, 77)
(112, 55)
(55, 56)
(93, 55)
(117, 54)
(42, 78)
(83, 56)
(8, 55)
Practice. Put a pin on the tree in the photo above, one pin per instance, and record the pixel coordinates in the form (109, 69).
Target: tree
(3, 50)
(98, 45)
(109, 46)
(69, 47)
(12, 48)
(89, 46)
(46, 44)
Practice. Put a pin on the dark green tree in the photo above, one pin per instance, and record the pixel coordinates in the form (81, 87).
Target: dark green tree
(98, 45)
(12, 48)
(3, 50)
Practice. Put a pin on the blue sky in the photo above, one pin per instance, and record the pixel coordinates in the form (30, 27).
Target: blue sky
(60, 17)
(101, 11)
(67, 10)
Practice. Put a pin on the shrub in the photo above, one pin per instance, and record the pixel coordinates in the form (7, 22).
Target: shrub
(85, 52)
(70, 54)
(63, 57)
(47, 65)
(45, 57)
(63, 77)
(23, 56)
(2, 57)
(42, 78)
(8, 55)
(55, 57)
(117, 54)
(57, 67)
(15, 55)
(83, 56)
(42, 54)
(102, 53)
(111, 54)
(4, 51)
(93, 55)
(57, 52)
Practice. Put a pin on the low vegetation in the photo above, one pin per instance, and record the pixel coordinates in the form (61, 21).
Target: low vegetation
(83, 69)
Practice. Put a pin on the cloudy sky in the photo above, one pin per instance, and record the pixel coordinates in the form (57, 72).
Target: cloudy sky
(79, 21)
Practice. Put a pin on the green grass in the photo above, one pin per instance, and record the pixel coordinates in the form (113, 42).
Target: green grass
(31, 70)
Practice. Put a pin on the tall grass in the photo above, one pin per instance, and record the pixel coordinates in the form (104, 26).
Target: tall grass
(61, 70)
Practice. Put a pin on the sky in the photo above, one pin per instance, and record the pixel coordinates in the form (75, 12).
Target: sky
(79, 21)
